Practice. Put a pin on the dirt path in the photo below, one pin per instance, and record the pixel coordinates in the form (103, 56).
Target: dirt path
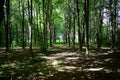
(73, 65)
(60, 63)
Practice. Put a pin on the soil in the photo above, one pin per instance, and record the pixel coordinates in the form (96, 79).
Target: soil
(60, 63)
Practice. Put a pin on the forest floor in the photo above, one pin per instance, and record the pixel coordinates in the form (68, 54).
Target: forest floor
(60, 63)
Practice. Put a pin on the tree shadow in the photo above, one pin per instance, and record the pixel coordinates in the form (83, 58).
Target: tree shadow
(105, 66)
(60, 63)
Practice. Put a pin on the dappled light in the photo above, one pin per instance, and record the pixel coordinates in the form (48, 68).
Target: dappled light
(63, 62)
(70, 68)
(59, 39)
(93, 69)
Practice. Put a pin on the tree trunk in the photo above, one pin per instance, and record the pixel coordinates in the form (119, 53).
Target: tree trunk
(31, 24)
(1, 10)
(50, 24)
(7, 25)
(54, 34)
(87, 25)
(44, 46)
(23, 41)
(112, 5)
(99, 35)
(79, 30)
(16, 34)
(69, 31)
(74, 29)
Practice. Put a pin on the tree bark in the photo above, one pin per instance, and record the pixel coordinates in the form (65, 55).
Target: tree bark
(23, 41)
(79, 28)
(100, 26)
(74, 29)
(1, 10)
(44, 46)
(112, 6)
(7, 25)
(31, 24)
(87, 25)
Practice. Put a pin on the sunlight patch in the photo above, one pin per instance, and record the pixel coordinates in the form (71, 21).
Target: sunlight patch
(69, 68)
(64, 54)
(93, 69)
(55, 62)
(61, 55)
(72, 58)
(51, 58)
(109, 59)
(9, 65)
(106, 53)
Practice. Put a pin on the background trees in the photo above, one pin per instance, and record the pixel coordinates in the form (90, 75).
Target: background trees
(43, 23)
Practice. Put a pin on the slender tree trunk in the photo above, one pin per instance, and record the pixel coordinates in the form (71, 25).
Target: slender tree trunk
(51, 36)
(74, 29)
(79, 31)
(87, 25)
(83, 34)
(99, 35)
(115, 19)
(7, 24)
(45, 43)
(43, 46)
(46, 24)
(1, 10)
(54, 34)
(29, 36)
(40, 32)
(112, 5)
(69, 31)
(50, 24)
(16, 34)
(31, 24)
(23, 41)
(35, 34)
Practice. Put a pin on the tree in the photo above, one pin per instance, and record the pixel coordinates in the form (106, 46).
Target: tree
(86, 18)
(7, 26)
(79, 27)
(31, 23)
(48, 20)
(23, 41)
(1, 10)
(74, 28)
(99, 33)
(44, 48)
(69, 23)
(112, 6)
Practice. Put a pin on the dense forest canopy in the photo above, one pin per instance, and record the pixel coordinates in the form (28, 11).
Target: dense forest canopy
(45, 22)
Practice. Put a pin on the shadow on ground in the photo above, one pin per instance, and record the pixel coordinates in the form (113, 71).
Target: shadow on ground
(60, 63)
(103, 65)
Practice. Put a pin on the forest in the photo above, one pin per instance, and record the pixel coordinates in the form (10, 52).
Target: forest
(59, 39)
